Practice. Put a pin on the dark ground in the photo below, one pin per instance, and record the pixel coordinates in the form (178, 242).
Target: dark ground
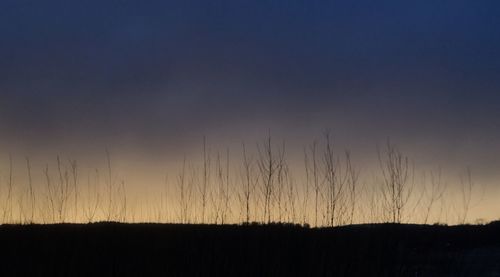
(112, 249)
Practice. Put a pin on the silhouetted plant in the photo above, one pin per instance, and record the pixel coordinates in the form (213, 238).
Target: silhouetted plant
(116, 195)
(248, 183)
(397, 187)
(335, 180)
(434, 191)
(7, 208)
(305, 194)
(226, 196)
(266, 190)
(184, 194)
(74, 174)
(268, 163)
(312, 171)
(30, 192)
(291, 195)
(221, 197)
(352, 176)
(58, 193)
(204, 185)
(93, 197)
(467, 188)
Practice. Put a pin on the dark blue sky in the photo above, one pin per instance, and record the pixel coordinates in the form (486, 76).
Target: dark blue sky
(154, 73)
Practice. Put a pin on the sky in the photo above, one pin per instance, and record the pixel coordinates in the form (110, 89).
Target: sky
(150, 78)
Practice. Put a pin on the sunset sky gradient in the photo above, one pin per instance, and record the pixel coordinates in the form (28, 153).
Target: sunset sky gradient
(148, 79)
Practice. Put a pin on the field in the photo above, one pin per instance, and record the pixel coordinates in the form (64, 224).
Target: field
(117, 249)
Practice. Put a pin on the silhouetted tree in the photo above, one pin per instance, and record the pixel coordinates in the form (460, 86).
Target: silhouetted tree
(467, 186)
(268, 163)
(7, 208)
(93, 197)
(352, 176)
(397, 187)
(248, 183)
(434, 191)
(335, 180)
(312, 172)
(205, 182)
(184, 194)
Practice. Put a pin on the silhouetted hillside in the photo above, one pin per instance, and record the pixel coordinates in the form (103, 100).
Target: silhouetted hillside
(113, 249)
